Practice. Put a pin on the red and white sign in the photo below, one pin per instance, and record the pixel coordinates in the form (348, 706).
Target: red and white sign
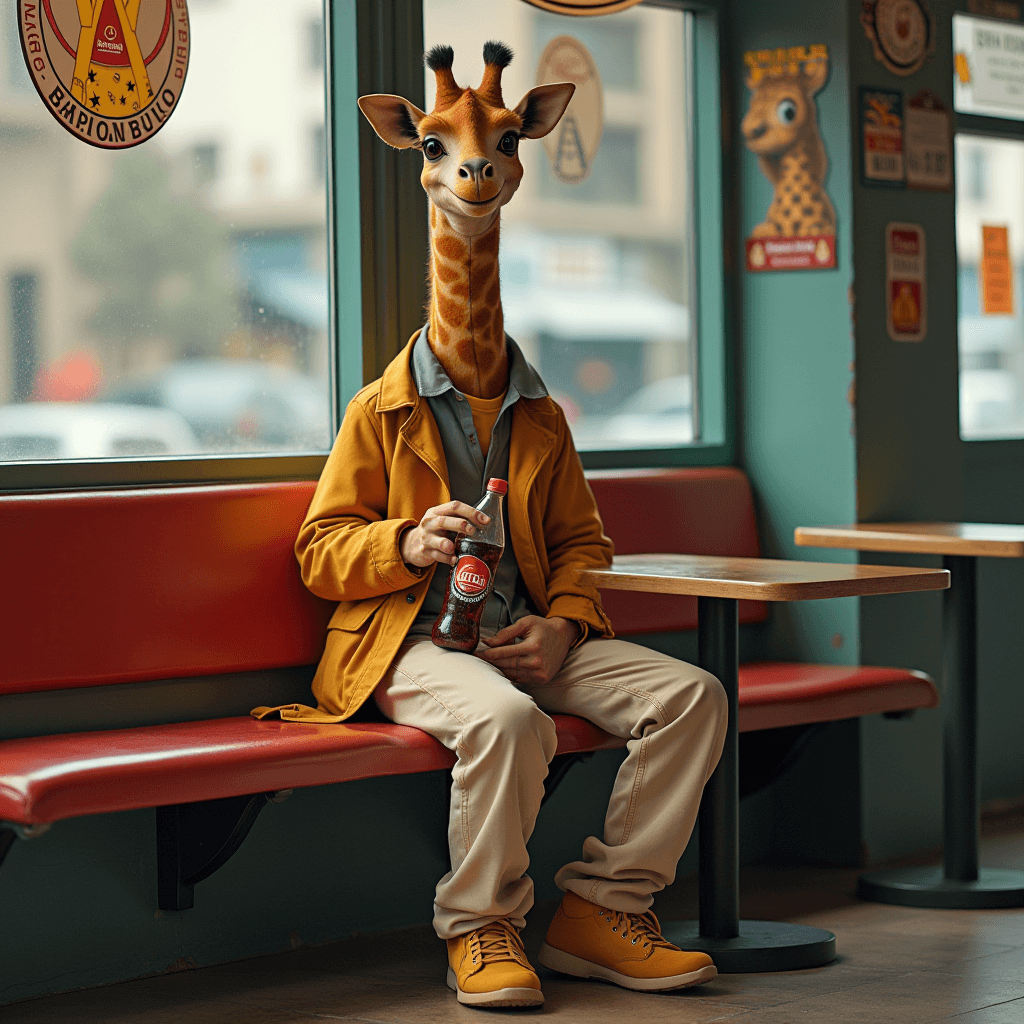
(815, 252)
(906, 293)
(471, 577)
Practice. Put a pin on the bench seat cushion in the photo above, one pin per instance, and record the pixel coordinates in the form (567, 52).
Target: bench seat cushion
(47, 778)
(777, 694)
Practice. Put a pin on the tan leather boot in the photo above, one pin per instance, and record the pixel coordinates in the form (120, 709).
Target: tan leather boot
(589, 941)
(488, 967)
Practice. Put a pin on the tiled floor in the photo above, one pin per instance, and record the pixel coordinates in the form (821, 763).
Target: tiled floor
(894, 964)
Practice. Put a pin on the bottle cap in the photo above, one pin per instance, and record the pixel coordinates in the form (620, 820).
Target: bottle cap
(494, 484)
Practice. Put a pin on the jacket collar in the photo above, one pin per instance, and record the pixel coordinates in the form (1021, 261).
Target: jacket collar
(397, 386)
(415, 371)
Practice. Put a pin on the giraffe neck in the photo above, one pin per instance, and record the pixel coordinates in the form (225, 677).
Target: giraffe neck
(801, 158)
(466, 327)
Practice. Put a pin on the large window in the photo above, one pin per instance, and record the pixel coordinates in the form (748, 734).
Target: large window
(172, 299)
(990, 261)
(597, 276)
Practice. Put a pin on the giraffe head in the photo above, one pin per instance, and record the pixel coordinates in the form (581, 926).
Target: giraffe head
(470, 140)
(782, 106)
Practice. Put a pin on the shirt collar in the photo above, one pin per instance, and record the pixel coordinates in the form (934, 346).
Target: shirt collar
(431, 379)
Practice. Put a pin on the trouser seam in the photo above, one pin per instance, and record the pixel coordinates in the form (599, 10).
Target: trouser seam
(465, 755)
(643, 694)
(634, 796)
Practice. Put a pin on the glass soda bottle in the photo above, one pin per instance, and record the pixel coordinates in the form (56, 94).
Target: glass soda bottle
(472, 578)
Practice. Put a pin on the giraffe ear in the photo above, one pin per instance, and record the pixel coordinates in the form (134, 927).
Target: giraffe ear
(393, 118)
(815, 75)
(542, 107)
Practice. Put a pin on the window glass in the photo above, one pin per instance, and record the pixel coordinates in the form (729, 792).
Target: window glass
(172, 299)
(990, 259)
(596, 277)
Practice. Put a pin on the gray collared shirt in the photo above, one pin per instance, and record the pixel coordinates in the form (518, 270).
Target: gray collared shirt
(469, 471)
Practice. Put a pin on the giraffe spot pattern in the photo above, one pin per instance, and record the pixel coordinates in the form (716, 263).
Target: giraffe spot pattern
(450, 310)
(451, 248)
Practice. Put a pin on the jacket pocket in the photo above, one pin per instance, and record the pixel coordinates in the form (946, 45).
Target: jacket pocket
(352, 616)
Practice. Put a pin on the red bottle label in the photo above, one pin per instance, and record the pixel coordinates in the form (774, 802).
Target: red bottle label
(470, 577)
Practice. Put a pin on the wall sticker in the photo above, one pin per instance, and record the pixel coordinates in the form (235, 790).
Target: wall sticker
(906, 291)
(110, 71)
(881, 121)
(996, 271)
(902, 33)
(781, 128)
(572, 146)
(928, 143)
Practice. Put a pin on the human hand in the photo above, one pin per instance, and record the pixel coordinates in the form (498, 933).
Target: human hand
(431, 541)
(538, 656)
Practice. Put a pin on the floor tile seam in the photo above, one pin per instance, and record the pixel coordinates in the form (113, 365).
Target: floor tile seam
(987, 1006)
(972, 974)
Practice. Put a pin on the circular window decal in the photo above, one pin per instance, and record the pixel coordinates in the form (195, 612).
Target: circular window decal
(584, 7)
(110, 71)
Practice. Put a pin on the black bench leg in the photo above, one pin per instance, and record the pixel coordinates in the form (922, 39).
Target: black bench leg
(194, 840)
(11, 830)
(559, 768)
(7, 837)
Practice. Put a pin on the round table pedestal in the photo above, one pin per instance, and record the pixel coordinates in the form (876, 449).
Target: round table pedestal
(761, 946)
(928, 887)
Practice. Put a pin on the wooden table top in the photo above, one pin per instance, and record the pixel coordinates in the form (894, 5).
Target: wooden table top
(759, 579)
(997, 540)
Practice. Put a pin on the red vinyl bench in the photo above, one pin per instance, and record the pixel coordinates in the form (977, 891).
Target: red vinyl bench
(165, 583)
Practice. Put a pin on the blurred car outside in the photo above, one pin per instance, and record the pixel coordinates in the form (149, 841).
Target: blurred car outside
(86, 430)
(236, 405)
(658, 415)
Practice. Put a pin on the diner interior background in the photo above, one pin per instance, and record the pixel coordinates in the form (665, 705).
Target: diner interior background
(832, 421)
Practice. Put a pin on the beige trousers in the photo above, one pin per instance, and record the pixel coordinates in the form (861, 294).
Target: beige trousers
(671, 714)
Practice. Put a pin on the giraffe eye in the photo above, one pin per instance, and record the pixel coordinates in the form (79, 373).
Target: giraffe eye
(786, 111)
(508, 144)
(432, 149)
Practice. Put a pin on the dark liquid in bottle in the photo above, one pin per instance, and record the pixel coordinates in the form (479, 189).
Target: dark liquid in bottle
(458, 626)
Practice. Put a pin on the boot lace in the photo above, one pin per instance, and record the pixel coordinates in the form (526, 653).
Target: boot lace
(497, 942)
(638, 929)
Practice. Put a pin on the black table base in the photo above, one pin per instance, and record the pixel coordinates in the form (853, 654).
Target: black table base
(737, 947)
(928, 887)
(960, 884)
(760, 946)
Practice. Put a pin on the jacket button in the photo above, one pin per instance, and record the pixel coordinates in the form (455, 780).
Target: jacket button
(410, 598)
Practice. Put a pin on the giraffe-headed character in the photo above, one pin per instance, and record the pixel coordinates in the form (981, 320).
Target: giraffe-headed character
(781, 128)
(471, 168)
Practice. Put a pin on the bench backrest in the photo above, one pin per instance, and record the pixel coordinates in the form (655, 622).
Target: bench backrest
(121, 586)
(677, 511)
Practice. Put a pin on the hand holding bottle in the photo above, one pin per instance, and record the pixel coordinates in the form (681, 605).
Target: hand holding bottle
(431, 541)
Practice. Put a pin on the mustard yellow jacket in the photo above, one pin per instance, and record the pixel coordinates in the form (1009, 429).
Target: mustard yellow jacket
(386, 469)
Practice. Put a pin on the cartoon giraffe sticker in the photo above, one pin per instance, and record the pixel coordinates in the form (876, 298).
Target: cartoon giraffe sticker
(781, 128)
(471, 168)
